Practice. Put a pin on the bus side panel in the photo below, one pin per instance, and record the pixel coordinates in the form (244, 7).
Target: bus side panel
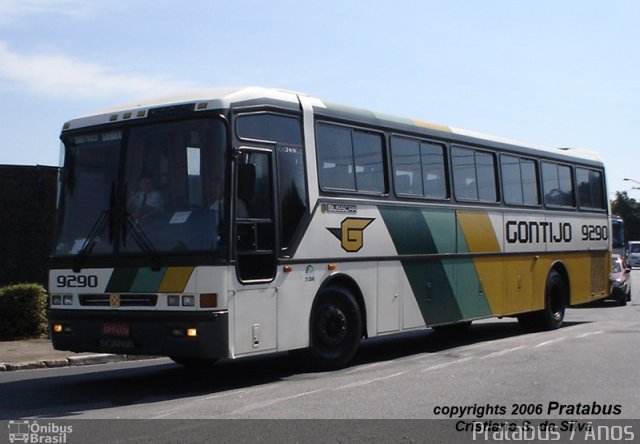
(295, 295)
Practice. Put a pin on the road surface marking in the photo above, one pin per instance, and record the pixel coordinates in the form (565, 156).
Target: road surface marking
(542, 344)
(503, 352)
(446, 364)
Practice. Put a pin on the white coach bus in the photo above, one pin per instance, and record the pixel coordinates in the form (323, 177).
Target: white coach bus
(236, 222)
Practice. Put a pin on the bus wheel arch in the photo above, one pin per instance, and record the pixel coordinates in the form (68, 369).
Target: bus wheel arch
(336, 324)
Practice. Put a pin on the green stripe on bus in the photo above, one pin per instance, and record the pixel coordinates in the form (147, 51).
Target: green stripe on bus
(121, 280)
(429, 280)
(447, 290)
(147, 280)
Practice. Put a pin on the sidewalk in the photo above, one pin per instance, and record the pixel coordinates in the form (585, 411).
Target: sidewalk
(39, 353)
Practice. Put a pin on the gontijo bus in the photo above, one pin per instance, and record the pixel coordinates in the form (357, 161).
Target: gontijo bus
(276, 221)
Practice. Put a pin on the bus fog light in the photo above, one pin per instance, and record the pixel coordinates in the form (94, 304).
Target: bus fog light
(188, 301)
(67, 299)
(173, 300)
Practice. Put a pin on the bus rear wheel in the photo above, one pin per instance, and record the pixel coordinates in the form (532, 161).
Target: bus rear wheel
(335, 329)
(552, 316)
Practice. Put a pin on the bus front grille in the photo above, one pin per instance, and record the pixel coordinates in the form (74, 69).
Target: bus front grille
(125, 300)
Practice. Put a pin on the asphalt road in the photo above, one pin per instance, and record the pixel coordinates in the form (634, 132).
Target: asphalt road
(496, 371)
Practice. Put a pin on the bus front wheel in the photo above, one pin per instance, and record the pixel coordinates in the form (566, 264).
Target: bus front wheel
(335, 329)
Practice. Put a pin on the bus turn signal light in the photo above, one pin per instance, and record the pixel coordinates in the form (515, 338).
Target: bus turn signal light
(208, 300)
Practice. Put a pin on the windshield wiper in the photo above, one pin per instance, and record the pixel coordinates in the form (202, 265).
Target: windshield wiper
(142, 240)
(90, 241)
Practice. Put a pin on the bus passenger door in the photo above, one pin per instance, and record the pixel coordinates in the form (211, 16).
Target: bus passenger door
(254, 297)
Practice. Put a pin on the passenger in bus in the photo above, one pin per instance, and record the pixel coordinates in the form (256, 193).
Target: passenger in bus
(145, 201)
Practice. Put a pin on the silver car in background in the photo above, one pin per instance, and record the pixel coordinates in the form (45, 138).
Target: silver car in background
(634, 254)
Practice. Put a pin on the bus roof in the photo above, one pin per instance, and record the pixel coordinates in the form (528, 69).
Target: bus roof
(223, 98)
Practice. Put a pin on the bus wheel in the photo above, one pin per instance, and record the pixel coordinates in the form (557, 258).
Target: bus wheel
(198, 364)
(555, 301)
(336, 329)
(552, 316)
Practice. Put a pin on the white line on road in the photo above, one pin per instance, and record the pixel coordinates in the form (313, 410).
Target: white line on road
(503, 352)
(206, 398)
(369, 381)
(542, 344)
(584, 335)
(446, 364)
(364, 367)
(261, 405)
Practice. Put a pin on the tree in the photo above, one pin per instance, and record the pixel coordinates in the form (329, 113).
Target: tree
(629, 210)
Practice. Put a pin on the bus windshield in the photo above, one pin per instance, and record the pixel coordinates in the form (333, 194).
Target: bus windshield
(147, 189)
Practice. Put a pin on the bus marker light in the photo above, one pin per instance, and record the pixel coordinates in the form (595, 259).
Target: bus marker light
(173, 300)
(208, 300)
(287, 269)
(192, 332)
(331, 267)
(188, 301)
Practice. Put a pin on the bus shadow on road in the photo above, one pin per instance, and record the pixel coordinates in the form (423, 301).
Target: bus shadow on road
(97, 388)
(434, 341)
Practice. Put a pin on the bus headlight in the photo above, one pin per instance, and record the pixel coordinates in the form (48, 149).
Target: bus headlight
(188, 300)
(56, 299)
(67, 299)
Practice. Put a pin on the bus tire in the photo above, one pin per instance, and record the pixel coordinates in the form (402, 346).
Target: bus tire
(556, 298)
(335, 329)
(555, 303)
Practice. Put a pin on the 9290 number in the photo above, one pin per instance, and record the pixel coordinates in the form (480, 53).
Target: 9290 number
(595, 232)
(77, 281)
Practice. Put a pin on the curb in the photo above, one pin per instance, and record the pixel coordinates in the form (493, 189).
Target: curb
(72, 361)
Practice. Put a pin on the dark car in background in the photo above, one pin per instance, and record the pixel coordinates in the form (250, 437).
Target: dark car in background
(620, 280)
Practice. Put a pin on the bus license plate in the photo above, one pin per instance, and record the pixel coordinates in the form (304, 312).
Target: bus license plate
(119, 330)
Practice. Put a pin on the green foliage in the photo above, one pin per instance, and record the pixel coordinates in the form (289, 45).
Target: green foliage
(23, 311)
(629, 210)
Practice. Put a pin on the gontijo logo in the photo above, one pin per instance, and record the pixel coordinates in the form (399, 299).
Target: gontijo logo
(351, 233)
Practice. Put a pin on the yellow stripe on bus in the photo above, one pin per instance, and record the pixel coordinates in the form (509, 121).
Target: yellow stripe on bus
(175, 279)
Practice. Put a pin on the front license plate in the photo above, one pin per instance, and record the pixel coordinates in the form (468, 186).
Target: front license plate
(118, 330)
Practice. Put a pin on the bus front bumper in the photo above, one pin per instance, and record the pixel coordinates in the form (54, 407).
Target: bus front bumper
(183, 335)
